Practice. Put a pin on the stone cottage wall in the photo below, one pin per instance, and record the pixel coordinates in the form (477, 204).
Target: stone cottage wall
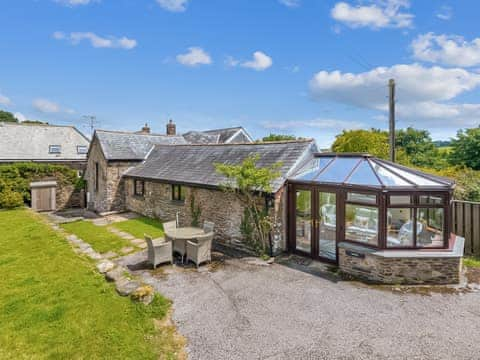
(111, 186)
(67, 197)
(224, 209)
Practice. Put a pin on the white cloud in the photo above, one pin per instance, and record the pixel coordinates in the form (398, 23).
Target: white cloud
(374, 14)
(260, 61)
(195, 56)
(173, 5)
(424, 94)
(444, 13)
(96, 41)
(290, 3)
(231, 61)
(20, 117)
(48, 106)
(447, 49)
(4, 100)
(74, 2)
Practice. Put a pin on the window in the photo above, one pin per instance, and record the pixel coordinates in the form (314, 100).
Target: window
(96, 176)
(400, 225)
(139, 187)
(178, 193)
(82, 149)
(55, 149)
(400, 199)
(430, 224)
(431, 200)
(362, 198)
(361, 224)
(416, 221)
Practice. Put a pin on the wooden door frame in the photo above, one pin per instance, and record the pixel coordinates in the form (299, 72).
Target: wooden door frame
(291, 222)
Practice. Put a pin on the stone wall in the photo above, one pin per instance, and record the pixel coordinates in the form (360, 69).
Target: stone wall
(224, 209)
(110, 195)
(68, 197)
(366, 264)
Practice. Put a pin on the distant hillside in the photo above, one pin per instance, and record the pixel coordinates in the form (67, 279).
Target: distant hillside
(442, 143)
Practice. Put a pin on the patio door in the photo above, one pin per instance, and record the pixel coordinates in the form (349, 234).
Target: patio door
(314, 223)
(326, 225)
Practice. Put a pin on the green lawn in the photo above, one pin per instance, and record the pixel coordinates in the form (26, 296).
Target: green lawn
(53, 304)
(98, 237)
(139, 226)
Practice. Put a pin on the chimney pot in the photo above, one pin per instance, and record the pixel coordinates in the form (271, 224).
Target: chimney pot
(171, 128)
(145, 129)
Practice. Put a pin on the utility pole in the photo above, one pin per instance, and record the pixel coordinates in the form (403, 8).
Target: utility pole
(391, 118)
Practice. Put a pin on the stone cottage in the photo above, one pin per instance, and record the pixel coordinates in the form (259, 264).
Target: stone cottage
(180, 179)
(376, 220)
(47, 144)
(111, 153)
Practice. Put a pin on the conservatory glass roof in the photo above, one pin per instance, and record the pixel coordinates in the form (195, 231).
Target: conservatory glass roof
(365, 170)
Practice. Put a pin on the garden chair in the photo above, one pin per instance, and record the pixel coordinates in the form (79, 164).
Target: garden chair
(208, 227)
(180, 247)
(200, 251)
(169, 226)
(159, 252)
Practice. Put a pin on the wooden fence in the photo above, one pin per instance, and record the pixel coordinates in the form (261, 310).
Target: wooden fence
(466, 223)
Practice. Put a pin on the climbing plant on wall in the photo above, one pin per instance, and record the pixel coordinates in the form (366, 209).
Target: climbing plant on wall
(248, 182)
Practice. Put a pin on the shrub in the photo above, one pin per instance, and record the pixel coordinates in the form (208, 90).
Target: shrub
(10, 199)
(17, 177)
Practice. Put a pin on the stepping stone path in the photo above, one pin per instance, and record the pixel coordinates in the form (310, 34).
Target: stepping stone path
(110, 255)
(124, 285)
(105, 266)
(127, 249)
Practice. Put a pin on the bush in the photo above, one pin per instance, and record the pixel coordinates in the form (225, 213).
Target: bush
(10, 199)
(17, 177)
(467, 181)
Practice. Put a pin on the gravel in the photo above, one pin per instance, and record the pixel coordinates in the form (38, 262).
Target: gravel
(244, 311)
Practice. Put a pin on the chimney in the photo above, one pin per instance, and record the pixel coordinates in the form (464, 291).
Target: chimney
(171, 128)
(145, 129)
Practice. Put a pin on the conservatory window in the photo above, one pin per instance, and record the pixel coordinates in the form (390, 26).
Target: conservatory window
(362, 198)
(400, 200)
(400, 225)
(361, 224)
(430, 225)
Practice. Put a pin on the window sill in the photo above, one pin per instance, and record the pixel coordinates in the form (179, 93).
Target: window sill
(177, 202)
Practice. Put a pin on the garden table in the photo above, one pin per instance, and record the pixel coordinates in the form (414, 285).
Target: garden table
(184, 233)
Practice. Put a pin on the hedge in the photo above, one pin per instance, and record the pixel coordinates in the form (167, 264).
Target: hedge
(15, 180)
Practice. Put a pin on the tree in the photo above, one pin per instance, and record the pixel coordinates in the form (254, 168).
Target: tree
(466, 148)
(6, 116)
(373, 141)
(418, 148)
(278, 137)
(247, 181)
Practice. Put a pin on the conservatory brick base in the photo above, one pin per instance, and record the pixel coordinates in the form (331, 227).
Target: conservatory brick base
(402, 266)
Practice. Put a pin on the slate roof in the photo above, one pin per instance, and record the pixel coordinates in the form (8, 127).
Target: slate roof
(194, 164)
(199, 137)
(224, 134)
(117, 145)
(22, 142)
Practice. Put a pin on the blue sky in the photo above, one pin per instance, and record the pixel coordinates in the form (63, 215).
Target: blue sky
(304, 67)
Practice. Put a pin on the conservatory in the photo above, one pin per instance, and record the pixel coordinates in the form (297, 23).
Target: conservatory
(376, 219)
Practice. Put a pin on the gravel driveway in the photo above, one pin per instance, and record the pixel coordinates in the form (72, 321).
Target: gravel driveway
(245, 311)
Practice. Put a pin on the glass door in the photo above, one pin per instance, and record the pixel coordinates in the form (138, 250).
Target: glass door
(326, 225)
(303, 220)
